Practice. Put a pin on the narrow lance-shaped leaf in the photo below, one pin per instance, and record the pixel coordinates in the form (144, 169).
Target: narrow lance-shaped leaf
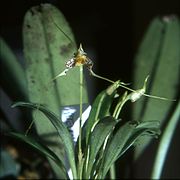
(11, 70)
(100, 108)
(114, 147)
(44, 150)
(165, 143)
(123, 139)
(148, 128)
(61, 129)
(97, 139)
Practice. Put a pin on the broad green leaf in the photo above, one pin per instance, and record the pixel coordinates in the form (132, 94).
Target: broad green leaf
(100, 108)
(60, 128)
(46, 50)
(44, 150)
(97, 138)
(158, 56)
(122, 140)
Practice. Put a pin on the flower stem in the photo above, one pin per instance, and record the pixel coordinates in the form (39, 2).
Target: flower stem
(80, 156)
(100, 77)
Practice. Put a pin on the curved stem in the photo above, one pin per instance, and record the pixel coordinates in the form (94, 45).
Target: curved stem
(100, 77)
(123, 85)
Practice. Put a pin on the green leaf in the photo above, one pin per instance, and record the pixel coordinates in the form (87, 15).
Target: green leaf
(115, 146)
(165, 143)
(125, 137)
(100, 108)
(60, 128)
(148, 128)
(158, 56)
(11, 70)
(44, 150)
(102, 129)
(46, 51)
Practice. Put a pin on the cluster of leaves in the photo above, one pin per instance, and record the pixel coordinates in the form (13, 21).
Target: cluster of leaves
(105, 137)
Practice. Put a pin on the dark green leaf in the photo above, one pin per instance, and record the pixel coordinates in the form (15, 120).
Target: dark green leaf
(148, 128)
(115, 146)
(42, 149)
(97, 138)
(61, 129)
(100, 108)
(12, 72)
(122, 140)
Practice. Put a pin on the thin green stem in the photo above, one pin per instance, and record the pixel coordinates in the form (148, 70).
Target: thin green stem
(123, 85)
(80, 121)
(165, 144)
(80, 105)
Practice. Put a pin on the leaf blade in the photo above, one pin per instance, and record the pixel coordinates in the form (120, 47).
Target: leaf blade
(97, 138)
(124, 138)
(158, 56)
(100, 108)
(61, 129)
(44, 150)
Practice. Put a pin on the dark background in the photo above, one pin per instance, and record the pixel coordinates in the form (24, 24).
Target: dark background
(111, 32)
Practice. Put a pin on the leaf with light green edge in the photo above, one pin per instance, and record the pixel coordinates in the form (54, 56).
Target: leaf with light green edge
(100, 108)
(122, 140)
(157, 56)
(102, 129)
(44, 150)
(61, 129)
